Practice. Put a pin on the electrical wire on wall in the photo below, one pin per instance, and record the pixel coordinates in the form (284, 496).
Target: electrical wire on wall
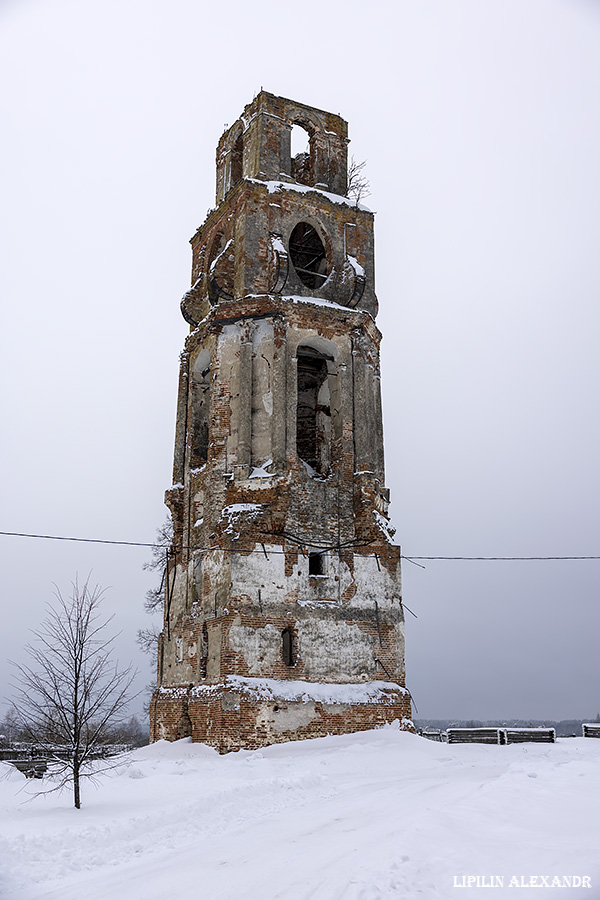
(303, 543)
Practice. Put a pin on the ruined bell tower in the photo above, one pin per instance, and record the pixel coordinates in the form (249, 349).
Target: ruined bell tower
(283, 614)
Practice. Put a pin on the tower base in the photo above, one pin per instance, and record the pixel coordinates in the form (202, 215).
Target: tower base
(247, 713)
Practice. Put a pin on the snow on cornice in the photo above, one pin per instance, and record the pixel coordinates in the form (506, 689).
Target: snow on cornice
(273, 186)
(306, 691)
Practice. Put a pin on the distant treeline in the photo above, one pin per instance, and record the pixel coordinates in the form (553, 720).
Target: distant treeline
(564, 728)
(131, 733)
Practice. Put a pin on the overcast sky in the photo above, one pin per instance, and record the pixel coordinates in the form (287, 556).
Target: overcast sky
(480, 124)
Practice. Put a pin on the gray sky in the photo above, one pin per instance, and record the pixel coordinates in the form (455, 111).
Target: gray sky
(480, 123)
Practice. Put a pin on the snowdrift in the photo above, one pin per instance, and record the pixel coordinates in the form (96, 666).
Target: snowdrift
(369, 816)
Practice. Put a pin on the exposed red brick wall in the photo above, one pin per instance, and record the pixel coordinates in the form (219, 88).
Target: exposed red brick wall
(226, 726)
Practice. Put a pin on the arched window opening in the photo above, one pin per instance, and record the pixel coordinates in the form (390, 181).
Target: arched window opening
(287, 647)
(308, 255)
(220, 268)
(316, 563)
(237, 159)
(200, 389)
(313, 410)
(204, 651)
(301, 153)
(198, 577)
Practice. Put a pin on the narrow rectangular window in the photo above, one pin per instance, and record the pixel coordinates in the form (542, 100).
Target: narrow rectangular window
(316, 564)
(287, 647)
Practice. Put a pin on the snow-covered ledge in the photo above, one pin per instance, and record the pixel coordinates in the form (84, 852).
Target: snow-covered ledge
(318, 692)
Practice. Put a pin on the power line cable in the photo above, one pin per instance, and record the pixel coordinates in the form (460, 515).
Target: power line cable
(499, 558)
(344, 545)
(56, 537)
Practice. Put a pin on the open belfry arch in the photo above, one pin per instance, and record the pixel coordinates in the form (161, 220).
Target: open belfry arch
(283, 611)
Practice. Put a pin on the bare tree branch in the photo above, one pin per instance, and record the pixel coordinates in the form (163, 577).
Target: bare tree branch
(158, 563)
(147, 638)
(358, 185)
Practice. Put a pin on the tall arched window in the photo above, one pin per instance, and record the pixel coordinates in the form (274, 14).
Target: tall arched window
(313, 410)
(200, 401)
(237, 160)
(302, 155)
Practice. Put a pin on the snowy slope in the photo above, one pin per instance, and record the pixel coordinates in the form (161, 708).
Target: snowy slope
(381, 814)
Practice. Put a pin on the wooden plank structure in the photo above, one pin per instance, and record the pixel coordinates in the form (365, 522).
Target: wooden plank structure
(433, 734)
(529, 735)
(497, 735)
(475, 736)
(591, 729)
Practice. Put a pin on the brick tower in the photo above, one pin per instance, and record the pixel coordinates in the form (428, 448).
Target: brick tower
(283, 612)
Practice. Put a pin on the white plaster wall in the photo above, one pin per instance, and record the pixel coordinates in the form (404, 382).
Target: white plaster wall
(287, 719)
(260, 647)
(375, 585)
(179, 659)
(332, 651)
(215, 580)
(330, 586)
(249, 573)
(178, 588)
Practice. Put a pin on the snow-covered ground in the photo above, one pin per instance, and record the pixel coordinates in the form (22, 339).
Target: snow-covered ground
(381, 814)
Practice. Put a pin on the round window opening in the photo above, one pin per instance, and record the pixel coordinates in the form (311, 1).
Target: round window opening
(308, 255)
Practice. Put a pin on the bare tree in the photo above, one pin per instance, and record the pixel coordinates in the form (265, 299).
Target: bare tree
(358, 184)
(147, 641)
(147, 638)
(71, 697)
(158, 563)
